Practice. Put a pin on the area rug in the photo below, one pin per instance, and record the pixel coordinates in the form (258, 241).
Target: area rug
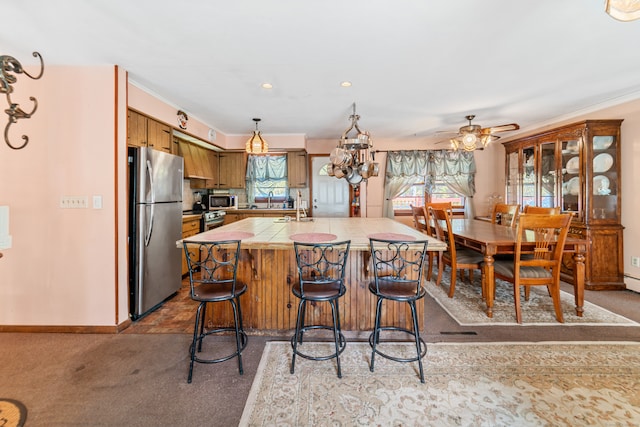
(528, 384)
(12, 413)
(467, 307)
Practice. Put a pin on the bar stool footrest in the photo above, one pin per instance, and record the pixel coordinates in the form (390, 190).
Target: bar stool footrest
(423, 345)
(342, 343)
(243, 345)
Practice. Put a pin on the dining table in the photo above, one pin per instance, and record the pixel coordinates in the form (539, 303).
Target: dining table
(494, 239)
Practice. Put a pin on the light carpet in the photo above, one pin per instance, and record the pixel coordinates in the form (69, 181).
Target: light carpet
(523, 384)
(468, 308)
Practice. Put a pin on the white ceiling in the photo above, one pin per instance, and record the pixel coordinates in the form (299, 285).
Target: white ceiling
(417, 66)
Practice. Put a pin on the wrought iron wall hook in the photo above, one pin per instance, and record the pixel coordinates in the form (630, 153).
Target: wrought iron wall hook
(9, 66)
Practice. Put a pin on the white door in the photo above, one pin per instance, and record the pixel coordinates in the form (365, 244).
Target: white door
(330, 196)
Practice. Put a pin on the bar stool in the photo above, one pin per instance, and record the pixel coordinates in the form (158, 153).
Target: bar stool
(212, 276)
(397, 268)
(321, 269)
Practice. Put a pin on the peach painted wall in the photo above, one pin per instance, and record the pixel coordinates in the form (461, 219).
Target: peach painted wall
(145, 102)
(61, 267)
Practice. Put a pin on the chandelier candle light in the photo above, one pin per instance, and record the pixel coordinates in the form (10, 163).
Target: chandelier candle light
(353, 158)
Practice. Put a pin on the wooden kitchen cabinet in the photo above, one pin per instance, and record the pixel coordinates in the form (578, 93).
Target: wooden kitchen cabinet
(297, 169)
(576, 167)
(143, 131)
(190, 227)
(232, 169)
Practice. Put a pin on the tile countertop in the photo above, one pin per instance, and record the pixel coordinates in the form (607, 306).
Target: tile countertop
(267, 233)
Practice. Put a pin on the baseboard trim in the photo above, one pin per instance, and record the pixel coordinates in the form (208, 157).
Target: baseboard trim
(61, 329)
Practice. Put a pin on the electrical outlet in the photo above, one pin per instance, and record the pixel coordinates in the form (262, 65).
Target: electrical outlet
(635, 261)
(74, 202)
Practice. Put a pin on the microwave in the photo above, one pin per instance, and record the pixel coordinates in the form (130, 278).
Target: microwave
(218, 201)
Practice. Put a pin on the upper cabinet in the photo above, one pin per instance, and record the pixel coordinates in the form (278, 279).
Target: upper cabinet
(297, 169)
(232, 169)
(143, 131)
(576, 167)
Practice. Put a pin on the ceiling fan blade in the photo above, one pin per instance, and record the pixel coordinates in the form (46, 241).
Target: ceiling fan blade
(501, 128)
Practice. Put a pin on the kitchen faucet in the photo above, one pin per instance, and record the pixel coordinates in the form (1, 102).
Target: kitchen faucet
(269, 196)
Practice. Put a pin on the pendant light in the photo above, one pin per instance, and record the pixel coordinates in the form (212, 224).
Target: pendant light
(256, 144)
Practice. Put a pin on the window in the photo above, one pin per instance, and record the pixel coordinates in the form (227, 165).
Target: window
(415, 196)
(267, 174)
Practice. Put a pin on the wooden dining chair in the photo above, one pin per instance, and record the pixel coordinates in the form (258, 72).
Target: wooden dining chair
(430, 230)
(540, 210)
(538, 257)
(419, 218)
(505, 214)
(455, 258)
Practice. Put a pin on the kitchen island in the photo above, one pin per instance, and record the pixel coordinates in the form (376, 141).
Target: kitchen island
(268, 266)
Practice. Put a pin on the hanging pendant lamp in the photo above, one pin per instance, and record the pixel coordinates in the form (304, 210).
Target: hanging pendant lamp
(256, 144)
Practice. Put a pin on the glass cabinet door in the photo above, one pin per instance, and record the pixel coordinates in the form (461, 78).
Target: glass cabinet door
(548, 172)
(512, 178)
(604, 181)
(571, 177)
(528, 177)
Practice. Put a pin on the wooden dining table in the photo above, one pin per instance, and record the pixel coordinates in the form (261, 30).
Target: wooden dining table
(492, 239)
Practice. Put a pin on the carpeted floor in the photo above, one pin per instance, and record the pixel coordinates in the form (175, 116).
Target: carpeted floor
(499, 384)
(139, 378)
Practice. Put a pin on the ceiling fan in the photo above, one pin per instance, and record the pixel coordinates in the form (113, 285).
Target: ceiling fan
(472, 137)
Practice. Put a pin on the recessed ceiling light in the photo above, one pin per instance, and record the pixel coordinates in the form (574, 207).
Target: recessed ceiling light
(267, 86)
(345, 84)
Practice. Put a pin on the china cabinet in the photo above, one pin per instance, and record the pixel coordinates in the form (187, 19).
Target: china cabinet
(576, 167)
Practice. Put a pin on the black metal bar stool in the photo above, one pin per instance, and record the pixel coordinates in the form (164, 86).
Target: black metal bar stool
(212, 275)
(397, 268)
(321, 270)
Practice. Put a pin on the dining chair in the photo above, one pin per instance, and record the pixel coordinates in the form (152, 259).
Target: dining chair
(505, 214)
(321, 272)
(397, 270)
(537, 258)
(540, 210)
(213, 267)
(430, 230)
(419, 215)
(455, 258)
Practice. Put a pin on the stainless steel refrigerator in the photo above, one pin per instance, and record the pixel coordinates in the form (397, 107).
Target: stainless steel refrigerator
(155, 224)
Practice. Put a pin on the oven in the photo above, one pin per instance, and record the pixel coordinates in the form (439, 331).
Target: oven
(211, 220)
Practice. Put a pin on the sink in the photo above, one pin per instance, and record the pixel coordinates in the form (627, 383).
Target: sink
(292, 219)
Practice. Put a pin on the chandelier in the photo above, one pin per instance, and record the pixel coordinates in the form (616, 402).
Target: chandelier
(353, 158)
(256, 144)
(623, 10)
(471, 141)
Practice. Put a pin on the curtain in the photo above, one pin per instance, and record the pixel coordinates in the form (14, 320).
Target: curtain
(405, 168)
(263, 171)
(457, 169)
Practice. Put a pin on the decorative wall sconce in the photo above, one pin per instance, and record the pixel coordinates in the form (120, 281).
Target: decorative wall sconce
(9, 65)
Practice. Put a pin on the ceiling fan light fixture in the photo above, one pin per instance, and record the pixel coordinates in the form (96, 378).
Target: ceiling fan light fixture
(623, 10)
(256, 144)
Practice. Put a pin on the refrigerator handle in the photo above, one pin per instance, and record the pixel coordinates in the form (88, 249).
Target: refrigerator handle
(150, 174)
(147, 238)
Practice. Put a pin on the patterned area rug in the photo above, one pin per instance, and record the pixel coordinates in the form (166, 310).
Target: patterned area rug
(532, 384)
(468, 308)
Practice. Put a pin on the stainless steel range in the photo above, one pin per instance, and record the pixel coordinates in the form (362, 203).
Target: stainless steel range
(212, 219)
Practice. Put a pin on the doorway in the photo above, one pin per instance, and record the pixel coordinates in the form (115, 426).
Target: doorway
(329, 195)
